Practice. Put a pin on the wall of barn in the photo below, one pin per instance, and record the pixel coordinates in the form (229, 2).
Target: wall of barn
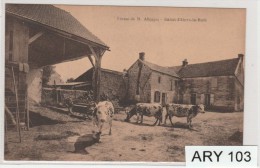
(16, 68)
(113, 85)
(239, 96)
(145, 83)
(34, 83)
(220, 90)
(164, 84)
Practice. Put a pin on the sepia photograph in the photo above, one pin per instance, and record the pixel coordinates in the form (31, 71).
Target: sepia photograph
(121, 83)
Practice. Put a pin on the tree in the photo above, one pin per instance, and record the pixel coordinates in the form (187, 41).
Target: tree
(46, 74)
(70, 80)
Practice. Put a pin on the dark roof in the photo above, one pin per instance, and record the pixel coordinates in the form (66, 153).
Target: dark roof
(69, 84)
(54, 17)
(87, 76)
(161, 69)
(216, 68)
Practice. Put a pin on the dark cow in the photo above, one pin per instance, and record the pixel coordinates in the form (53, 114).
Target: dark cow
(183, 110)
(103, 112)
(147, 109)
(69, 104)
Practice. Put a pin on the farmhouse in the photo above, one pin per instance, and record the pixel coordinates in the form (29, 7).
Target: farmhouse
(37, 36)
(219, 85)
(149, 82)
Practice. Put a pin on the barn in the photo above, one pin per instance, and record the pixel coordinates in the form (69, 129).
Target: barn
(41, 35)
(113, 85)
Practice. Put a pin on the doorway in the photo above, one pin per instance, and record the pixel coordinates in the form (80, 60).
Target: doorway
(193, 99)
(207, 100)
(164, 99)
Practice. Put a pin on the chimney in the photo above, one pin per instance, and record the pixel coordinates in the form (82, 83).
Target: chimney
(184, 62)
(142, 56)
(241, 56)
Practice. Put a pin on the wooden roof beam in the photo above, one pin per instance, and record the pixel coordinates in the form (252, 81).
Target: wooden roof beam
(91, 60)
(35, 37)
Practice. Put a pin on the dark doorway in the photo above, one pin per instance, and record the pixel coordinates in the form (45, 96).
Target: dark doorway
(207, 100)
(193, 99)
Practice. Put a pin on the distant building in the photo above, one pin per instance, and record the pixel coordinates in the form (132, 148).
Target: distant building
(219, 84)
(112, 84)
(55, 79)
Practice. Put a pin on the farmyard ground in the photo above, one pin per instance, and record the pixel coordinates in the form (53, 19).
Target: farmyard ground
(128, 142)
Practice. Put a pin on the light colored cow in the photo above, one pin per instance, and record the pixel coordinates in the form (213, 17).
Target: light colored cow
(183, 110)
(103, 112)
(147, 109)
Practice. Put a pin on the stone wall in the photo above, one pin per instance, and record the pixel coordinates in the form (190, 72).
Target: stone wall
(113, 85)
(221, 91)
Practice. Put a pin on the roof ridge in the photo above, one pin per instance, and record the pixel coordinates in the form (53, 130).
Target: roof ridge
(170, 72)
(207, 62)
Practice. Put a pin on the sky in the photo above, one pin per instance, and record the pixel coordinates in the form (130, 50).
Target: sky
(167, 35)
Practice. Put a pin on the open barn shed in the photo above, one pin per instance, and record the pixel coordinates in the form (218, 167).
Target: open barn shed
(41, 35)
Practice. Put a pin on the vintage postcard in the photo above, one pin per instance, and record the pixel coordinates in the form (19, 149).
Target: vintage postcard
(121, 83)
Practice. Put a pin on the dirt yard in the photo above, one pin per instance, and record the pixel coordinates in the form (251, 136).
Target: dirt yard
(128, 142)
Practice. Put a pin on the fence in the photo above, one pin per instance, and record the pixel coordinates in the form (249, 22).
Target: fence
(54, 97)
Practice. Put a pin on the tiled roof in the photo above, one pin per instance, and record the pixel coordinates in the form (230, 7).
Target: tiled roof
(54, 17)
(216, 68)
(158, 68)
(87, 76)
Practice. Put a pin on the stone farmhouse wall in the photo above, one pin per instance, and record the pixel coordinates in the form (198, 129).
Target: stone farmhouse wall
(222, 91)
(164, 84)
(145, 83)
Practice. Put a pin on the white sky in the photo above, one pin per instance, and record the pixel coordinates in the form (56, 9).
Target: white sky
(222, 36)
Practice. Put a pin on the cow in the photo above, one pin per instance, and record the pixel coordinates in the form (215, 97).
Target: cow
(147, 109)
(103, 112)
(183, 110)
(69, 104)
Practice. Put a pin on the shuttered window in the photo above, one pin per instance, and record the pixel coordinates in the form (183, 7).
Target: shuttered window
(171, 85)
(159, 79)
(211, 99)
(157, 96)
(202, 99)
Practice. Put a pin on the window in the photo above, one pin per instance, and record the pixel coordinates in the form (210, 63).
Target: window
(157, 96)
(176, 83)
(171, 85)
(159, 79)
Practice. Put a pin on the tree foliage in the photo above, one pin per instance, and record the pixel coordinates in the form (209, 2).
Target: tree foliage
(46, 74)
(70, 80)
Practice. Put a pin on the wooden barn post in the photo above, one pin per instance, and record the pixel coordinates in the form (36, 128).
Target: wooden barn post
(96, 74)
